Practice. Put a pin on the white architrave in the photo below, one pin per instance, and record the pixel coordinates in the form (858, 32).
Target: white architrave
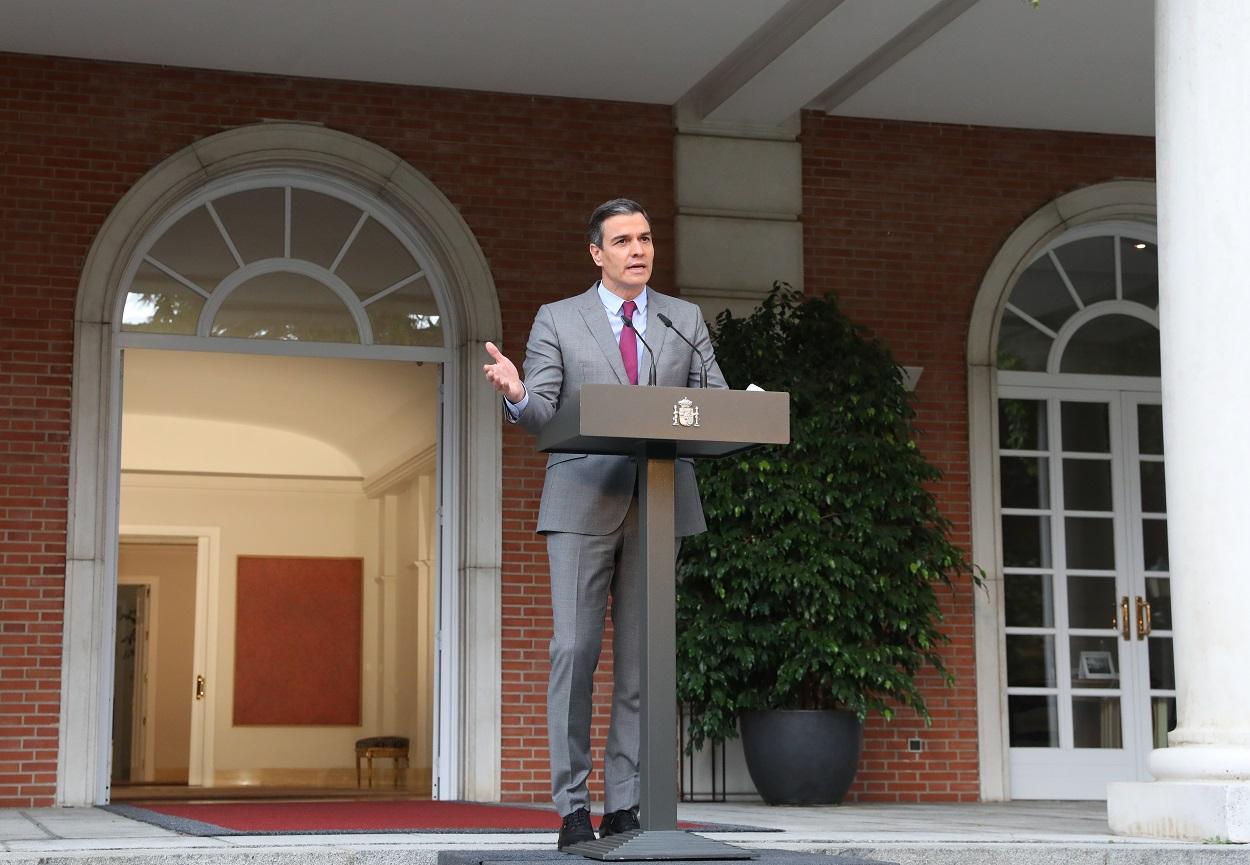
(1131, 201)
(207, 542)
(470, 477)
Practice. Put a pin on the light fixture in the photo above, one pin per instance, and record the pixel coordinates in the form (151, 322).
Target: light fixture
(911, 377)
(1139, 245)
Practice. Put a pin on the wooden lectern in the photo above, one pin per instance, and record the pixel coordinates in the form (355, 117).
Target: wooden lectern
(657, 425)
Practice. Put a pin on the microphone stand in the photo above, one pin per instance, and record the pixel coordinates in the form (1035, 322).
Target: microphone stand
(703, 364)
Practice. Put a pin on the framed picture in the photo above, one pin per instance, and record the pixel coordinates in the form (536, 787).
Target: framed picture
(298, 645)
(1097, 665)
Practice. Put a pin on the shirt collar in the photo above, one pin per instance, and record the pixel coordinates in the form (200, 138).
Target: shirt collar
(613, 302)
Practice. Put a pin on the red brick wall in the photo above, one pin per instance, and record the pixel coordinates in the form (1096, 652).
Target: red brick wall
(901, 220)
(36, 328)
(75, 136)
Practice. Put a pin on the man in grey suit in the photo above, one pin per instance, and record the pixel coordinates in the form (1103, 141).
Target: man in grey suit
(589, 508)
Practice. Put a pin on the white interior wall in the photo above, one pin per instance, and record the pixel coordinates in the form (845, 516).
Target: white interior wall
(279, 517)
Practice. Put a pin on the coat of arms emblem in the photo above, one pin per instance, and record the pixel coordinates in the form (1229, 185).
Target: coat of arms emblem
(685, 413)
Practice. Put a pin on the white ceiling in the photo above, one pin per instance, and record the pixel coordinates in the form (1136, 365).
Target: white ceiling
(1069, 64)
(373, 413)
(1072, 64)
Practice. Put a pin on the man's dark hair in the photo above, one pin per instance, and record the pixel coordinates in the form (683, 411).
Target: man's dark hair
(607, 210)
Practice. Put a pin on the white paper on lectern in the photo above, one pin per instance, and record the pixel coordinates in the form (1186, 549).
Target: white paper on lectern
(754, 387)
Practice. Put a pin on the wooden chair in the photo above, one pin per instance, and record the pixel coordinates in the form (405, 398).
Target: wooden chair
(382, 747)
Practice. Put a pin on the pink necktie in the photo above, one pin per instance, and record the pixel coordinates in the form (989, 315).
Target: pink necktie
(629, 343)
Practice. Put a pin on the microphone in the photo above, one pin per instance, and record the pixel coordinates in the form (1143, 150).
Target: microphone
(630, 324)
(703, 364)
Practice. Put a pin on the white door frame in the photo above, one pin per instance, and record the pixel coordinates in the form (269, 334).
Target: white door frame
(1122, 200)
(471, 554)
(207, 541)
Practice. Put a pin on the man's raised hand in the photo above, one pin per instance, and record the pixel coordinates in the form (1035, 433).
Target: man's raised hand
(503, 376)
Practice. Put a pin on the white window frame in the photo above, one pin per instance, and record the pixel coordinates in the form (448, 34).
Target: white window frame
(216, 296)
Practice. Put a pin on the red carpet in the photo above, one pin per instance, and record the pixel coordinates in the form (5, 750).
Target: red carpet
(295, 818)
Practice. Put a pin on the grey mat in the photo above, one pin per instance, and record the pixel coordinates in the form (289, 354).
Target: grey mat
(552, 857)
(201, 829)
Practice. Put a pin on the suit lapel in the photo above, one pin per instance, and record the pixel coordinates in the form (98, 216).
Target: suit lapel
(597, 321)
(656, 331)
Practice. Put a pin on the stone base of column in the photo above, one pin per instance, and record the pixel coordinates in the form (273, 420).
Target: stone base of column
(1181, 810)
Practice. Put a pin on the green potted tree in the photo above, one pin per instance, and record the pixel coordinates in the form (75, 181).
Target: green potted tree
(812, 599)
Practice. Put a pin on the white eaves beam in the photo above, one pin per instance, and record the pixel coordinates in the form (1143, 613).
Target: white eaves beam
(905, 42)
(786, 26)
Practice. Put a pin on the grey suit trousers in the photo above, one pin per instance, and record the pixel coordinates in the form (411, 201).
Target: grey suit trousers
(585, 571)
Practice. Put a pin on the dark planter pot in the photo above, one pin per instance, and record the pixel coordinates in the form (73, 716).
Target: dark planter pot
(799, 757)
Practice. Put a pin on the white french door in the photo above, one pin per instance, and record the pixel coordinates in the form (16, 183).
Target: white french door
(1090, 683)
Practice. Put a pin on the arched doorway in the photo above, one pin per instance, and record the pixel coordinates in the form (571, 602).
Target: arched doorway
(1074, 644)
(403, 280)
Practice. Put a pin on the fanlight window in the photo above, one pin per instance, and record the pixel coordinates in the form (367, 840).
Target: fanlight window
(301, 261)
(1088, 306)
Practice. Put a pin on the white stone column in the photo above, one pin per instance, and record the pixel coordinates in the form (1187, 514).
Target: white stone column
(1202, 109)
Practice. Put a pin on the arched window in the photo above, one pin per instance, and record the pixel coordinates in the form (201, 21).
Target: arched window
(456, 285)
(1087, 305)
(293, 258)
(1086, 589)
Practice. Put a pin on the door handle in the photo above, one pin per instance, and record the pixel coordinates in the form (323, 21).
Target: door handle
(199, 687)
(1123, 619)
(1143, 618)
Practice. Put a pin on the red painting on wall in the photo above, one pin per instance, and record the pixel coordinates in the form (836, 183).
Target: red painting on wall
(297, 652)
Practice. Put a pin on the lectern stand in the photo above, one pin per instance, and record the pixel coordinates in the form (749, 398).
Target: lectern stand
(656, 426)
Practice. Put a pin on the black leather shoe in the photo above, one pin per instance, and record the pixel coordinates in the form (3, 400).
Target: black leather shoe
(575, 829)
(618, 822)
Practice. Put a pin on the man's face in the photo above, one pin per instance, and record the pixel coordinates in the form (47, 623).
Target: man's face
(626, 255)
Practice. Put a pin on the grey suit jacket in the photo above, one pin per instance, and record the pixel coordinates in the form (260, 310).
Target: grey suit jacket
(571, 344)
